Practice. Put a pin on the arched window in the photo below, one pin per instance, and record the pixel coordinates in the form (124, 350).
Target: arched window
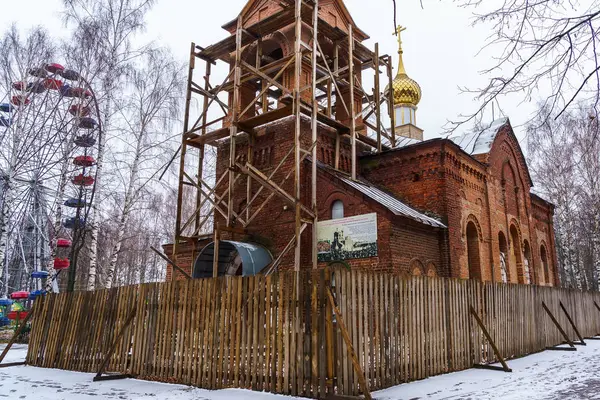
(527, 266)
(503, 260)
(545, 269)
(337, 210)
(473, 251)
(516, 259)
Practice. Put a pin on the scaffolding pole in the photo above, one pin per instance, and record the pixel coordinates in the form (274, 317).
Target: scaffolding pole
(241, 117)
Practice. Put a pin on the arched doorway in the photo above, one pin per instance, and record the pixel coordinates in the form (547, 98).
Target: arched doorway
(527, 264)
(516, 258)
(545, 269)
(473, 251)
(504, 271)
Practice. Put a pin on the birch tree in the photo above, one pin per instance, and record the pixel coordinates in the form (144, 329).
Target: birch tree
(148, 116)
(564, 157)
(111, 25)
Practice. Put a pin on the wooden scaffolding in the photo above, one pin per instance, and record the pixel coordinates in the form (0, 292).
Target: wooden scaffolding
(318, 100)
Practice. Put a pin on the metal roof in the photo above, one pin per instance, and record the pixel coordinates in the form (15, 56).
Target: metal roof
(385, 199)
(392, 203)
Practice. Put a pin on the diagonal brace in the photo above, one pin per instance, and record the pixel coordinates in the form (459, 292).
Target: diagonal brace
(581, 342)
(505, 367)
(561, 330)
(113, 347)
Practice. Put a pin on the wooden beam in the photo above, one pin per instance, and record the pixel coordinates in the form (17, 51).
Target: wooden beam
(13, 364)
(14, 337)
(171, 262)
(314, 126)
(234, 118)
(390, 95)
(216, 245)
(297, 132)
(183, 147)
(377, 100)
(352, 107)
(581, 341)
(286, 249)
(342, 326)
(269, 184)
(560, 329)
(113, 346)
(112, 377)
(505, 367)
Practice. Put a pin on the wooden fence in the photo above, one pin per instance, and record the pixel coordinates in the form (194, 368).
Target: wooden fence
(279, 333)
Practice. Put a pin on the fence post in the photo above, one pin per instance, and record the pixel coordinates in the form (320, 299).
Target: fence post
(449, 341)
(329, 336)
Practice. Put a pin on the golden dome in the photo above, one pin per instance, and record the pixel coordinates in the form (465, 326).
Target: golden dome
(406, 90)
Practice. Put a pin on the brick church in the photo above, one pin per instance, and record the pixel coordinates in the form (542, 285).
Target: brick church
(451, 207)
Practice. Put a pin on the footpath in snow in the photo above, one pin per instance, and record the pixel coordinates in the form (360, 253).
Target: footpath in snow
(549, 375)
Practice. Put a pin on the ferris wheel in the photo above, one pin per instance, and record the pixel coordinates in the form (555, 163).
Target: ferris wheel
(49, 135)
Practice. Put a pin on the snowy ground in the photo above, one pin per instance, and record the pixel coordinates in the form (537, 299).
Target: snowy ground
(551, 375)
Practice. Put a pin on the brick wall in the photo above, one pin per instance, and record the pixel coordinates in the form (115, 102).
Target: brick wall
(490, 190)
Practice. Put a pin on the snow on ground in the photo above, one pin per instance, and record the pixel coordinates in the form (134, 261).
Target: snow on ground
(551, 375)
(32, 383)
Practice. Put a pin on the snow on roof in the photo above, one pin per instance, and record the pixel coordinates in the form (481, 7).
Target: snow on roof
(480, 142)
(391, 203)
(383, 198)
(402, 141)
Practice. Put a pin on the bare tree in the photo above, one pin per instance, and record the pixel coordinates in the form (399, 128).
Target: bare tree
(148, 114)
(109, 27)
(546, 49)
(564, 158)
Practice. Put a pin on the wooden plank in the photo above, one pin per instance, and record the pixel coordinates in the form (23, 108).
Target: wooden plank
(268, 334)
(314, 309)
(351, 353)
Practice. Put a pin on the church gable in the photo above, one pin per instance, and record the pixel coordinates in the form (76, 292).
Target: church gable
(506, 149)
(334, 12)
(257, 10)
(496, 145)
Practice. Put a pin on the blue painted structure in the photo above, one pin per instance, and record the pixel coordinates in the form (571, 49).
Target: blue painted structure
(235, 258)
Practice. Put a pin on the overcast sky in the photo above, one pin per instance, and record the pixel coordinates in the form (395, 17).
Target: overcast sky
(440, 45)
